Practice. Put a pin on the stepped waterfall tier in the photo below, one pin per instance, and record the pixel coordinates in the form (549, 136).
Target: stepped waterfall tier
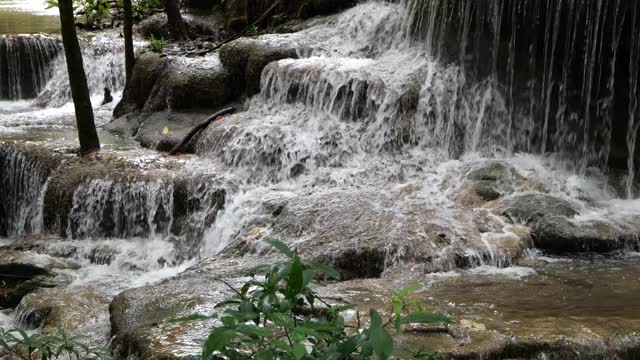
(25, 65)
(483, 150)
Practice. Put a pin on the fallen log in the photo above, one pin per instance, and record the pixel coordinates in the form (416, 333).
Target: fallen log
(215, 117)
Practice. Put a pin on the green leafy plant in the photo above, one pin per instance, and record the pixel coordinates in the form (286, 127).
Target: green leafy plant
(94, 11)
(279, 19)
(279, 316)
(145, 8)
(59, 345)
(252, 30)
(156, 45)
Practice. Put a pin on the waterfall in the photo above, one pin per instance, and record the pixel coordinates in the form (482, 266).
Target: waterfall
(25, 64)
(103, 65)
(112, 209)
(24, 175)
(549, 68)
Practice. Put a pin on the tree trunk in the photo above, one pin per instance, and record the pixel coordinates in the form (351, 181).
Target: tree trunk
(87, 133)
(129, 57)
(176, 26)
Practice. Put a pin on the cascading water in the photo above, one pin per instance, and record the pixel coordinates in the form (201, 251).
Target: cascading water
(351, 115)
(365, 144)
(107, 208)
(554, 76)
(104, 67)
(23, 179)
(25, 64)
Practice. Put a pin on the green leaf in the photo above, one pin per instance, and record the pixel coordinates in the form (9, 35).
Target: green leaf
(280, 246)
(425, 318)
(299, 351)
(265, 354)
(282, 320)
(381, 341)
(324, 269)
(217, 340)
(295, 282)
(253, 330)
(407, 290)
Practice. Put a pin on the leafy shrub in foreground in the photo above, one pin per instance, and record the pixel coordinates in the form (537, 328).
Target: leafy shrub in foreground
(278, 316)
(22, 345)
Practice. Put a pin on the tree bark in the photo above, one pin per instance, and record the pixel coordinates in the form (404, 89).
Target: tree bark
(129, 56)
(176, 26)
(87, 133)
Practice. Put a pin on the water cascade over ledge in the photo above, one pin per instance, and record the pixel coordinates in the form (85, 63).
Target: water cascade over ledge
(25, 64)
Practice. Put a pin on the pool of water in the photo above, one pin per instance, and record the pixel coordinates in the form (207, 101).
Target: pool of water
(27, 17)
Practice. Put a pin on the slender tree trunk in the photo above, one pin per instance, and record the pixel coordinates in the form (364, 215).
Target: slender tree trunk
(87, 133)
(174, 19)
(129, 56)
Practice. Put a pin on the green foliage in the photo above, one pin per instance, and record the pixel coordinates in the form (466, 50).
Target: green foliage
(279, 316)
(156, 45)
(252, 30)
(93, 11)
(23, 345)
(279, 19)
(145, 8)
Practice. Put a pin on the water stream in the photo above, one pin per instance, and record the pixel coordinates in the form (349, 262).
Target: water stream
(370, 134)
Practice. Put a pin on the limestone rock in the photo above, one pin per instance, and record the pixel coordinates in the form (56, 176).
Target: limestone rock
(82, 312)
(247, 57)
(24, 272)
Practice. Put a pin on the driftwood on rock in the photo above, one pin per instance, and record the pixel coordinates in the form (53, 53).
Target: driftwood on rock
(178, 148)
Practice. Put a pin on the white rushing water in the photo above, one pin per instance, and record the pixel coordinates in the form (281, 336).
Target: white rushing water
(369, 120)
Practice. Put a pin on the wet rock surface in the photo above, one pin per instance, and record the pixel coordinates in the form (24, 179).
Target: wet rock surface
(23, 272)
(556, 226)
(81, 312)
(146, 321)
(207, 26)
(529, 318)
(247, 57)
(363, 234)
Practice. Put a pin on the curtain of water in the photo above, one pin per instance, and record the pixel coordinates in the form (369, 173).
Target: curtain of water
(561, 68)
(24, 65)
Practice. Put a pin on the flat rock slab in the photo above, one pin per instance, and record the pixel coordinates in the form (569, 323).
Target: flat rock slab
(568, 310)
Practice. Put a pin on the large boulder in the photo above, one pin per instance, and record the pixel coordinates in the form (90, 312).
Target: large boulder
(557, 228)
(365, 234)
(149, 322)
(177, 83)
(247, 57)
(210, 26)
(489, 181)
(81, 312)
(146, 73)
